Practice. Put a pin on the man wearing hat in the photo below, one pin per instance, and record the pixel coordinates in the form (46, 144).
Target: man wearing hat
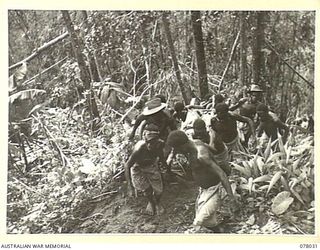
(207, 174)
(225, 124)
(154, 113)
(142, 170)
(247, 107)
(270, 124)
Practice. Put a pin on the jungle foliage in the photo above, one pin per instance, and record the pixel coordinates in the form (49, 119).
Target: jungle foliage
(67, 142)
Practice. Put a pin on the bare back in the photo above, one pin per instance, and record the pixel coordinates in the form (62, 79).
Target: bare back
(201, 171)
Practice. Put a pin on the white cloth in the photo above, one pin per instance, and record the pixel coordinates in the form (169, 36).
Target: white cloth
(207, 205)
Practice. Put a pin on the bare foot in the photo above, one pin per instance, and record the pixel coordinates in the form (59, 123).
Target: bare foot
(193, 230)
(159, 209)
(149, 209)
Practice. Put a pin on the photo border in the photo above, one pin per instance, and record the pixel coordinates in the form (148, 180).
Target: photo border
(278, 5)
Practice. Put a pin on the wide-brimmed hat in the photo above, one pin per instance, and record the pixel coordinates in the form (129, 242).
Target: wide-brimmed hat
(153, 106)
(255, 88)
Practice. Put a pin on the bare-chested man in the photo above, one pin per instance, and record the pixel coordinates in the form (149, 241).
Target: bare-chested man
(154, 113)
(270, 124)
(142, 171)
(225, 124)
(207, 174)
(247, 108)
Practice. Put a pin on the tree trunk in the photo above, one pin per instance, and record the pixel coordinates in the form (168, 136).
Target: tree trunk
(95, 76)
(186, 92)
(78, 46)
(200, 54)
(216, 48)
(234, 46)
(257, 54)
(243, 50)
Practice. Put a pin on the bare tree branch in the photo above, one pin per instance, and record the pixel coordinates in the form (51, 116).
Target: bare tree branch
(40, 50)
(283, 60)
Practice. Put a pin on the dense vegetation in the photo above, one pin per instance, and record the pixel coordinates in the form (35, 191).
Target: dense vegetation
(68, 137)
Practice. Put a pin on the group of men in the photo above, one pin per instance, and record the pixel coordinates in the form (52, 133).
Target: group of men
(208, 150)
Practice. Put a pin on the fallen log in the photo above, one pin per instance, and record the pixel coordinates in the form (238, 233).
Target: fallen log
(39, 50)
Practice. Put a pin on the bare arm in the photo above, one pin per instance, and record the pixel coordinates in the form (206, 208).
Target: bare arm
(195, 106)
(280, 124)
(238, 104)
(128, 165)
(260, 129)
(138, 121)
(222, 175)
(127, 168)
(283, 126)
(162, 159)
(144, 124)
(246, 120)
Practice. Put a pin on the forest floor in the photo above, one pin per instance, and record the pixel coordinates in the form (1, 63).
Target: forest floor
(117, 213)
(120, 214)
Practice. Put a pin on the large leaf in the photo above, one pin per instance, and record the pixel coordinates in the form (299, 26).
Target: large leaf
(25, 94)
(250, 184)
(288, 154)
(12, 83)
(21, 72)
(274, 180)
(281, 146)
(297, 195)
(254, 166)
(242, 170)
(285, 183)
(38, 107)
(281, 203)
(17, 76)
(268, 150)
(275, 156)
(263, 178)
(261, 164)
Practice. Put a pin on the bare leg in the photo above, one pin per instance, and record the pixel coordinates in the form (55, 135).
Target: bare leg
(159, 207)
(151, 207)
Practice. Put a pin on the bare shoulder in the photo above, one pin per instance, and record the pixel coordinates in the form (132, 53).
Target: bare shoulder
(274, 116)
(139, 145)
(203, 150)
(238, 116)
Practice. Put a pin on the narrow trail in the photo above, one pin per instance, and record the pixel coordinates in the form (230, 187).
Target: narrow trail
(117, 213)
(120, 214)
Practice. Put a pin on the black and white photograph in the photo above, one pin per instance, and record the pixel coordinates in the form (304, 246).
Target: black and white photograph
(197, 122)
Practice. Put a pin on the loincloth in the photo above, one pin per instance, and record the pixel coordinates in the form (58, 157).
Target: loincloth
(235, 145)
(207, 205)
(145, 177)
(223, 157)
